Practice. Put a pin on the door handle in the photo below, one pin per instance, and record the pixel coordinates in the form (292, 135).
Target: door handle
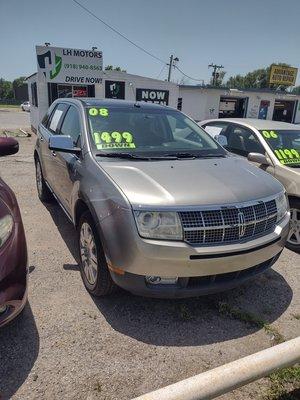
(53, 153)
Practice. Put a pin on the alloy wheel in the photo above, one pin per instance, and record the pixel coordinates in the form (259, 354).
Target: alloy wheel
(294, 234)
(88, 252)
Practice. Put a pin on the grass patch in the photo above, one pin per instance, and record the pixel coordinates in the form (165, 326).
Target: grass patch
(285, 384)
(183, 312)
(9, 105)
(251, 319)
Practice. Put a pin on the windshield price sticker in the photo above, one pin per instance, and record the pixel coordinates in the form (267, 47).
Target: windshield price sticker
(270, 134)
(94, 112)
(113, 140)
(288, 156)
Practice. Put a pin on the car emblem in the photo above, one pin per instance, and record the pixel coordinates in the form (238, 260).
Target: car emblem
(242, 224)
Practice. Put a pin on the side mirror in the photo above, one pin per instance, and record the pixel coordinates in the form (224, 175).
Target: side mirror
(222, 140)
(64, 144)
(8, 146)
(258, 158)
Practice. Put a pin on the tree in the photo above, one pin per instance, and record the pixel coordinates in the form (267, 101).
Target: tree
(257, 79)
(6, 89)
(19, 81)
(112, 68)
(218, 81)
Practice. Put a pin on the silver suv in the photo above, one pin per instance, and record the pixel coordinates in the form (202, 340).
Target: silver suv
(161, 209)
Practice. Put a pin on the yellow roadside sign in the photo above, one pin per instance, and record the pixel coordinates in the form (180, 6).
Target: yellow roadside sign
(283, 75)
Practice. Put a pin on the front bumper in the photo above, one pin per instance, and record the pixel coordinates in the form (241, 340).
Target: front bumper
(191, 287)
(220, 267)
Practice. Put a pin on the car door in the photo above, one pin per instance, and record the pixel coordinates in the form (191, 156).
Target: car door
(242, 141)
(66, 165)
(47, 128)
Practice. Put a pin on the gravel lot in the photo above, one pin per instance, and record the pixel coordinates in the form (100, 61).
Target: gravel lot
(67, 345)
(12, 118)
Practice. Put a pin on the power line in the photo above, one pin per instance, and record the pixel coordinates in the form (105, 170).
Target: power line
(117, 32)
(161, 71)
(193, 79)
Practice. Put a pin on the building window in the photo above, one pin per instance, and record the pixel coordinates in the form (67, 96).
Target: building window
(179, 104)
(72, 91)
(34, 97)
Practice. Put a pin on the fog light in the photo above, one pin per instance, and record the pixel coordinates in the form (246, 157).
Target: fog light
(3, 309)
(158, 280)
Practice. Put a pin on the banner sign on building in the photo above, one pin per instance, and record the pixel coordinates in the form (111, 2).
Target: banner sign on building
(74, 66)
(263, 109)
(153, 95)
(283, 75)
(115, 90)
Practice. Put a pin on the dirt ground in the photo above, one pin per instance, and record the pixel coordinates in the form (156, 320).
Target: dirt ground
(13, 118)
(68, 345)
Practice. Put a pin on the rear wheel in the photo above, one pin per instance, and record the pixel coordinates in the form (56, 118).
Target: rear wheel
(43, 191)
(293, 242)
(93, 266)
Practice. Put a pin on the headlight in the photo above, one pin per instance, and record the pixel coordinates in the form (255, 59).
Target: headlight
(6, 227)
(159, 225)
(282, 205)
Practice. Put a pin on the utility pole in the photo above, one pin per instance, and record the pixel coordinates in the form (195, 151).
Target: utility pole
(171, 65)
(215, 73)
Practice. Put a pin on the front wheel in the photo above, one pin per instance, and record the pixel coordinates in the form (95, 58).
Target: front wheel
(93, 266)
(293, 242)
(43, 191)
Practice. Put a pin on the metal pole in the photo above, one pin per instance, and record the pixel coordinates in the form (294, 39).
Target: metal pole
(223, 379)
(170, 67)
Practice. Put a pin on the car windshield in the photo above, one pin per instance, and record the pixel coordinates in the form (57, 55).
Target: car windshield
(285, 144)
(137, 131)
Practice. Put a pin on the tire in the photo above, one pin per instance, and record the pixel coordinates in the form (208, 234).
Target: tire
(43, 191)
(293, 242)
(93, 266)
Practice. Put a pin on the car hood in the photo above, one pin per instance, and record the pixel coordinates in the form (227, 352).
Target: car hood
(191, 182)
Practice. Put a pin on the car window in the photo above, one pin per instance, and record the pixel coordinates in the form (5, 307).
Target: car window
(56, 117)
(216, 128)
(71, 124)
(148, 131)
(243, 141)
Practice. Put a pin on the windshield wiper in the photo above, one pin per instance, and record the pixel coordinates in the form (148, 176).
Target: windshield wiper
(135, 156)
(193, 155)
(182, 155)
(218, 155)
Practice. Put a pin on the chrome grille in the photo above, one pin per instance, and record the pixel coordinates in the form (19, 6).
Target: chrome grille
(229, 224)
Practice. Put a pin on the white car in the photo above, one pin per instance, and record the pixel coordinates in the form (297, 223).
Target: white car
(274, 147)
(25, 106)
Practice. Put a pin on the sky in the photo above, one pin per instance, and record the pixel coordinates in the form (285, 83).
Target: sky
(242, 35)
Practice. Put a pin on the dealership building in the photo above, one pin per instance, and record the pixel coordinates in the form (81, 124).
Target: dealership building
(64, 72)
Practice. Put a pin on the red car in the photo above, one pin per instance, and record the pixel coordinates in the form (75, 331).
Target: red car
(13, 249)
